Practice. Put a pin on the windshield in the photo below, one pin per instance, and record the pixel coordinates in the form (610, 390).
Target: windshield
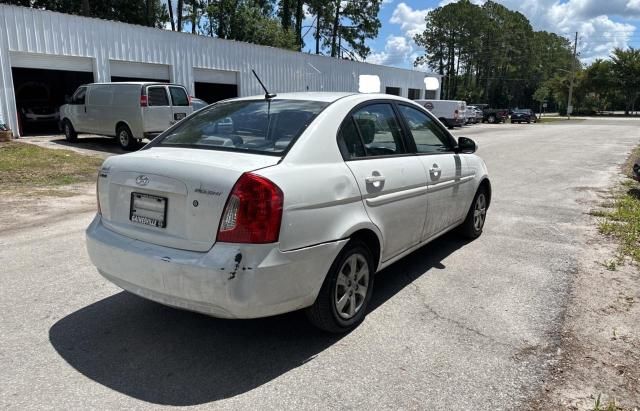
(246, 125)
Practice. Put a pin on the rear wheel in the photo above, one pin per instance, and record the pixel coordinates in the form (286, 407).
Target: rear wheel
(343, 299)
(474, 223)
(491, 119)
(69, 132)
(125, 138)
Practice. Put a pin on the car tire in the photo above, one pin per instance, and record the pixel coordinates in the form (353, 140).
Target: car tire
(474, 222)
(125, 138)
(528, 121)
(69, 132)
(352, 270)
(491, 119)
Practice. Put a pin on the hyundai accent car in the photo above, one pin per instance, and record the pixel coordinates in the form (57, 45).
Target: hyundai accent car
(258, 206)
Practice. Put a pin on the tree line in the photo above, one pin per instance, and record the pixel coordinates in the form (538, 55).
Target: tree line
(337, 28)
(491, 54)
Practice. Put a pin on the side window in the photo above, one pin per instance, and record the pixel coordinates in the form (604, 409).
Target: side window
(157, 96)
(178, 96)
(378, 130)
(79, 96)
(429, 138)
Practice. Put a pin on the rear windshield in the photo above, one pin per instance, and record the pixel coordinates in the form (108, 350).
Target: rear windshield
(247, 125)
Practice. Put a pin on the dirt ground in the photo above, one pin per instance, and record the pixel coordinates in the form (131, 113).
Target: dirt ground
(600, 342)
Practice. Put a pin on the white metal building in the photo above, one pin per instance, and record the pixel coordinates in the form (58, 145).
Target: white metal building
(55, 53)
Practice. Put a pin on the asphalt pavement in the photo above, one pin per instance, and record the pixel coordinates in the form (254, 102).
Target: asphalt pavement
(456, 325)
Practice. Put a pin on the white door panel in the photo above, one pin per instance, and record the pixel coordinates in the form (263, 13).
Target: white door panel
(449, 183)
(158, 115)
(394, 193)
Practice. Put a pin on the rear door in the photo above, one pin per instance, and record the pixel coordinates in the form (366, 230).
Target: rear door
(180, 107)
(448, 177)
(158, 115)
(391, 179)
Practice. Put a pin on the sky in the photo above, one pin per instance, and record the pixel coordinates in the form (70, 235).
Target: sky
(601, 24)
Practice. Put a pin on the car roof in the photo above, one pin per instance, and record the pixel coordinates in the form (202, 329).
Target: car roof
(136, 83)
(326, 96)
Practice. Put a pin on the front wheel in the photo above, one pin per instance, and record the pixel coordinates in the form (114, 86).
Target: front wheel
(125, 138)
(69, 132)
(491, 119)
(474, 222)
(343, 299)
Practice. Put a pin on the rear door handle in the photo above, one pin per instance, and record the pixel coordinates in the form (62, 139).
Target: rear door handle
(375, 179)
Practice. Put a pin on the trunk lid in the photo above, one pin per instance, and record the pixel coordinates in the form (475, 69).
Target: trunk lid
(172, 197)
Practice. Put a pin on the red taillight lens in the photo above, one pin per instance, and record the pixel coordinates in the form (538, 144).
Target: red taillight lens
(253, 212)
(144, 102)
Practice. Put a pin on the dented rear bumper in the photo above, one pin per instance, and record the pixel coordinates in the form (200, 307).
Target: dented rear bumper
(228, 281)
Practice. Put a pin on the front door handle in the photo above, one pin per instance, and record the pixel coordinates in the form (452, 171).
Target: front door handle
(435, 171)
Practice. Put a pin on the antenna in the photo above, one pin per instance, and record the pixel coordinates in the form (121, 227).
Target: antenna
(267, 95)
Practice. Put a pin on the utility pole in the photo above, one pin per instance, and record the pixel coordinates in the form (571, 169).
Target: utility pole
(573, 74)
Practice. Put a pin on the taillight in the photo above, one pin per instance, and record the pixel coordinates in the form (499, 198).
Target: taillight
(144, 102)
(190, 99)
(455, 114)
(253, 212)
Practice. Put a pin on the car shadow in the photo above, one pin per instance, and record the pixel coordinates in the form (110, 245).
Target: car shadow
(93, 143)
(171, 357)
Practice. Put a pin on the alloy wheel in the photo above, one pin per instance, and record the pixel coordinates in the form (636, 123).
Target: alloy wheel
(351, 286)
(479, 212)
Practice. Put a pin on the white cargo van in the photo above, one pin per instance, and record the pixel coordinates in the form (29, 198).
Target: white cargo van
(449, 112)
(129, 111)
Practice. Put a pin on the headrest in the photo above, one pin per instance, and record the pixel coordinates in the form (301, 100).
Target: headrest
(367, 129)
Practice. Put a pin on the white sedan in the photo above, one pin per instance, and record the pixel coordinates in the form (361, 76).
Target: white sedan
(259, 206)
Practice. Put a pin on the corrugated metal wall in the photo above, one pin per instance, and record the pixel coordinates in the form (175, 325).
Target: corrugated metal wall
(36, 31)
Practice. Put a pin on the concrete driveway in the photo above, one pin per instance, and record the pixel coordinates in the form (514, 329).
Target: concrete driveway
(454, 326)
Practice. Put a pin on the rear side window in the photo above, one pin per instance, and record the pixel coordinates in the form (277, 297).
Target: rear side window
(371, 131)
(429, 138)
(157, 96)
(178, 96)
(256, 126)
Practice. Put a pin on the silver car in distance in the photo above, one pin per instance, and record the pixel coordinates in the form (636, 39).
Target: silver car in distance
(259, 206)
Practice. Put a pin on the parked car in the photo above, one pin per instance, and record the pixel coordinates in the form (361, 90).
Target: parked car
(523, 116)
(449, 112)
(294, 203)
(130, 111)
(477, 112)
(34, 103)
(198, 104)
(493, 115)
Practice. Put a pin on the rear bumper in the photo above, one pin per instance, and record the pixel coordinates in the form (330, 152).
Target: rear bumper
(228, 281)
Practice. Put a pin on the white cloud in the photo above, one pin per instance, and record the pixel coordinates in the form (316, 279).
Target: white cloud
(411, 21)
(397, 50)
(598, 33)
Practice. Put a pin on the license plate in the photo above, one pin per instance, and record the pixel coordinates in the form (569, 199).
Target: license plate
(147, 209)
(179, 116)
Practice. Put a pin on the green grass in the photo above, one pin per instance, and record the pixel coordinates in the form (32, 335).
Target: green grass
(555, 119)
(621, 219)
(25, 165)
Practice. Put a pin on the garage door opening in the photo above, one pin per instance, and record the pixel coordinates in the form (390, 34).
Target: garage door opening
(212, 92)
(40, 93)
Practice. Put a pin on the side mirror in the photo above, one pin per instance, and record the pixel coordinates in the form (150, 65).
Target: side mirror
(466, 146)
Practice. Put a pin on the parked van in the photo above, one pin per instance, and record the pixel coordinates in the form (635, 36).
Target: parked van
(449, 112)
(129, 111)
